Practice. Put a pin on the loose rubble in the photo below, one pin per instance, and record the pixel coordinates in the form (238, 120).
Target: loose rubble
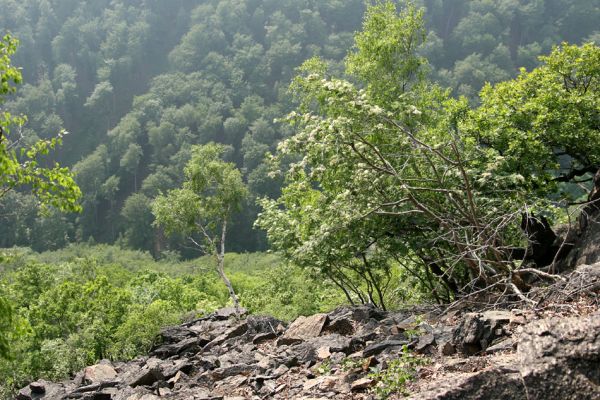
(493, 354)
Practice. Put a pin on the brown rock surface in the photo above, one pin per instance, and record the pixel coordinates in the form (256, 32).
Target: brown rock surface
(304, 328)
(99, 373)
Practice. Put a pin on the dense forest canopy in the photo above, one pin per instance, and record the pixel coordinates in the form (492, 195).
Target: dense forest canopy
(136, 83)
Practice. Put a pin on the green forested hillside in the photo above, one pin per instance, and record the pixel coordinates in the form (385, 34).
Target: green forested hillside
(135, 83)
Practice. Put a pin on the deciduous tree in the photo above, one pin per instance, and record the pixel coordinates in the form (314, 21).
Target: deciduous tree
(23, 165)
(202, 209)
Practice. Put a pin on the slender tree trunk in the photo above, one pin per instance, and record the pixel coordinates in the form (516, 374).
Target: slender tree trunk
(221, 269)
(159, 239)
(374, 282)
(341, 286)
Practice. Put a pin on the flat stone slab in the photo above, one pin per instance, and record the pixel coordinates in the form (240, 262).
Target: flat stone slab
(99, 373)
(304, 328)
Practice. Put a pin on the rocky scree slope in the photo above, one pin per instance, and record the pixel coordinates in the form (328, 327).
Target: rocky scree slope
(467, 354)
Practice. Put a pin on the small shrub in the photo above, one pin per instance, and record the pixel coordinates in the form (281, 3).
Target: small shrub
(349, 364)
(324, 368)
(398, 373)
(139, 332)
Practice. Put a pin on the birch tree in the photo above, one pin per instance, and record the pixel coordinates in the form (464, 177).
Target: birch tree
(201, 210)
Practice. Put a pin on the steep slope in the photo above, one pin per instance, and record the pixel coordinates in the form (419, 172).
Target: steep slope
(364, 353)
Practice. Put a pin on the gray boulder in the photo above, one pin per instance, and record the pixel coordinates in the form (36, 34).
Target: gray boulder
(557, 359)
(477, 331)
(560, 358)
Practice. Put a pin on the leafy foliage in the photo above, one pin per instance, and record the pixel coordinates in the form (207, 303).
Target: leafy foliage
(349, 203)
(212, 193)
(398, 373)
(22, 164)
(544, 124)
(83, 303)
(159, 78)
(409, 174)
(5, 326)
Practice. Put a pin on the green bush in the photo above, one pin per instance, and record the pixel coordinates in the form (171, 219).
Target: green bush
(139, 331)
(398, 373)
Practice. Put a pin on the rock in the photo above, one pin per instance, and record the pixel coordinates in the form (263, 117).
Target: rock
(99, 373)
(361, 384)
(337, 358)
(264, 337)
(365, 313)
(303, 328)
(174, 334)
(206, 362)
(478, 330)
(37, 387)
(191, 345)
(335, 342)
(227, 359)
(502, 345)
(366, 332)
(230, 333)
(377, 348)
(227, 312)
(425, 327)
(98, 396)
(495, 384)
(301, 353)
(178, 376)
(311, 383)
(447, 349)
(281, 370)
(146, 376)
(196, 393)
(229, 385)
(263, 324)
(408, 323)
(263, 360)
(560, 358)
(169, 369)
(323, 383)
(323, 352)
(236, 331)
(424, 342)
(443, 333)
(369, 363)
(288, 341)
(93, 388)
(238, 369)
(587, 246)
(40, 389)
(145, 396)
(25, 394)
(341, 325)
